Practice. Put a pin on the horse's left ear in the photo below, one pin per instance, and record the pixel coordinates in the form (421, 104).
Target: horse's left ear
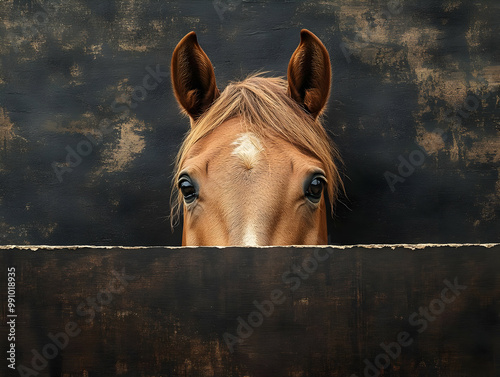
(193, 77)
(310, 74)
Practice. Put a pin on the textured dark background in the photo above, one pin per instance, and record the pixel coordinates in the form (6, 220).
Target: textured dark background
(170, 320)
(399, 74)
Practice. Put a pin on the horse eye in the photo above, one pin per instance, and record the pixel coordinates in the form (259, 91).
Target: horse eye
(187, 189)
(315, 189)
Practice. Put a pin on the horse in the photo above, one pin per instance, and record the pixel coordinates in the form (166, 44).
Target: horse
(257, 166)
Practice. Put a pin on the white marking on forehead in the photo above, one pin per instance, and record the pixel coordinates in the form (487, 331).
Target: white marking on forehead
(250, 237)
(248, 148)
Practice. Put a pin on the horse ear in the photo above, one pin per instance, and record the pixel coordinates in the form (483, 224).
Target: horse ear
(193, 77)
(310, 74)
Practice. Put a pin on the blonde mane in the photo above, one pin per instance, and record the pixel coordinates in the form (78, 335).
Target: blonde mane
(266, 110)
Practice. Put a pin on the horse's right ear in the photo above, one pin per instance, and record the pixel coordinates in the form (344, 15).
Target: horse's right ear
(310, 74)
(193, 77)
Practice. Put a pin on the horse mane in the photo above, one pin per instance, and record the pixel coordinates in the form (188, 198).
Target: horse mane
(267, 110)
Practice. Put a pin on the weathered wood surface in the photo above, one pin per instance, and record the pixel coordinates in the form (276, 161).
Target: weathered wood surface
(403, 71)
(170, 319)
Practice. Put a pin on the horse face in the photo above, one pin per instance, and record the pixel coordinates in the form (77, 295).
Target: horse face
(242, 185)
(241, 189)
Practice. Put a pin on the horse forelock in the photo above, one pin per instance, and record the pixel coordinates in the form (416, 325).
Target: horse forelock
(264, 107)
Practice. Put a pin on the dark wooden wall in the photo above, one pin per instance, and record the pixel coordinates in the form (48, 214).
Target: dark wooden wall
(170, 314)
(410, 76)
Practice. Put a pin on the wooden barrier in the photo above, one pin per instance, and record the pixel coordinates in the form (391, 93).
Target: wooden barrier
(335, 311)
